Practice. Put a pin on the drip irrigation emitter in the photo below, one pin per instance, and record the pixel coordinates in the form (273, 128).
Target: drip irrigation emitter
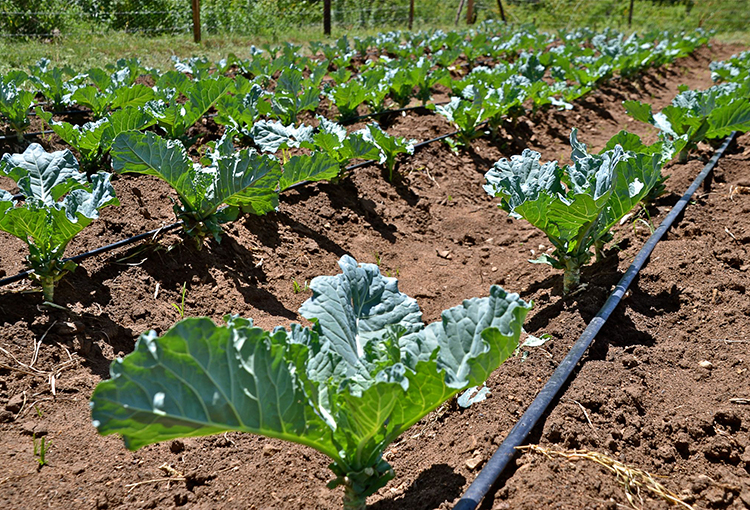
(516, 437)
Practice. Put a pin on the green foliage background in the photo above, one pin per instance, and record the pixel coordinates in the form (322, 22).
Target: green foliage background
(49, 18)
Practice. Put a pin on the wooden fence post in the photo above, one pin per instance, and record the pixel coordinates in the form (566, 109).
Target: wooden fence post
(411, 14)
(630, 14)
(197, 21)
(326, 17)
(460, 8)
(502, 11)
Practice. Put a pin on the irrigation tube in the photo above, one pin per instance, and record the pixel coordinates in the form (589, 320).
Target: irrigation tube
(36, 133)
(507, 450)
(135, 239)
(97, 251)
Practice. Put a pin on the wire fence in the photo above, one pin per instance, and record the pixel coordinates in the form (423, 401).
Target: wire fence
(58, 18)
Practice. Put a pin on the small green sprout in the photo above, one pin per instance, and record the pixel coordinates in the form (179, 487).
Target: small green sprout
(181, 307)
(40, 449)
(297, 288)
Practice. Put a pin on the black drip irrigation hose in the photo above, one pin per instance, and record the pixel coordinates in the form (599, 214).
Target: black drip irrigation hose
(36, 133)
(160, 230)
(64, 112)
(508, 449)
(97, 251)
(396, 111)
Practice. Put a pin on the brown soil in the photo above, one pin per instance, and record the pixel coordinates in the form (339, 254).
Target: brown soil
(661, 389)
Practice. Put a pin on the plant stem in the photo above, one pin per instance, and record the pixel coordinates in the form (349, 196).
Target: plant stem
(354, 500)
(571, 276)
(683, 156)
(48, 288)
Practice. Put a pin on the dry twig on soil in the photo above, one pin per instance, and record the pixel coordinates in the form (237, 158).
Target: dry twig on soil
(632, 479)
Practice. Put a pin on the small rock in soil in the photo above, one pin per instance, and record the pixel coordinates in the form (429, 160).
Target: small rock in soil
(706, 364)
(718, 497)
(269, 450)
(195, 478)
(698, 427)
(745, 497)
(475, 461)
(68, 328)
(33, 429)
(720, 449)
(6, 417)
(15, 403)
(177, 446)
(700, 483)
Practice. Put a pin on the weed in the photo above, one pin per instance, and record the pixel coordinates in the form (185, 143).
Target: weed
(297, 288)
(181, 307)
(40, 449)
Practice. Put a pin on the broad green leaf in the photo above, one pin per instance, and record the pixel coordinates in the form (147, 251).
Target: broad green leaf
(270, 136)
(135, 96)
(199, 379)
(576, 206)
(43, 176)
(522, 179)
(59, 202)
(734, 116)
(315, 167)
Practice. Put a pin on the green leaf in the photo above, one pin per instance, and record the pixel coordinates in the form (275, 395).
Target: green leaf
(639, 111)
(734, 116)
(315, 167)
(43, 176)
(135, 96)
(59, 202)
(199, 379)
(577, 206)
(270, 136)
(176, 118)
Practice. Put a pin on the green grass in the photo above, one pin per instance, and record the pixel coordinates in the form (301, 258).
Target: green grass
(83, 48)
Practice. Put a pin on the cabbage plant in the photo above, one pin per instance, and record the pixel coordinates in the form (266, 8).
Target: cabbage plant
(695, 116)
(15, 103)
(58, 203)
(575, 206)
(239, 179)
(366, 371)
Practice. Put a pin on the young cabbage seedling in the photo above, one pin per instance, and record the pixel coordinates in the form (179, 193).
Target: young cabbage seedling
(575, 206)
(58, 203)
(366, 371)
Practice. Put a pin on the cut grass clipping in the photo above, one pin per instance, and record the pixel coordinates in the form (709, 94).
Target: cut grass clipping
(633, 480)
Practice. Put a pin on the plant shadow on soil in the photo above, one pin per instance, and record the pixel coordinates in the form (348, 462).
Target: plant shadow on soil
(343, 196)
(433, 486)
